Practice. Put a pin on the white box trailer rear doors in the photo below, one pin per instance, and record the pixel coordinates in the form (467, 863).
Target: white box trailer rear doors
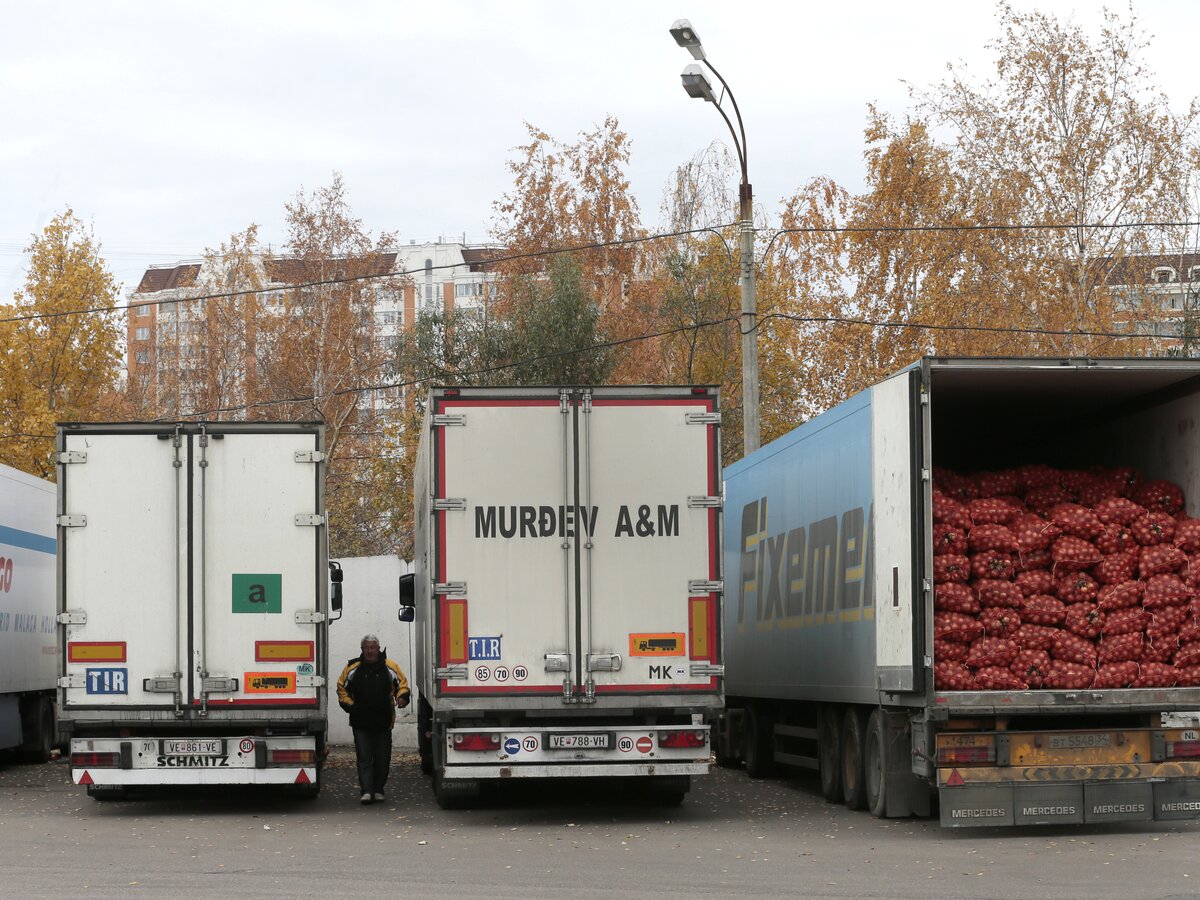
(191, 566)
(576, 541)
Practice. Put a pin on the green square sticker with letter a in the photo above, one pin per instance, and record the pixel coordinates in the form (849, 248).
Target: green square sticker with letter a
(257, 593)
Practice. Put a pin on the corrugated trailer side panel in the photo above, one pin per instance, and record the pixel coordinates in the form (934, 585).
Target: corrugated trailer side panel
(800, 604)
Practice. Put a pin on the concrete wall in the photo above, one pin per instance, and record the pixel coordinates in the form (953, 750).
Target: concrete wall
(369, 607)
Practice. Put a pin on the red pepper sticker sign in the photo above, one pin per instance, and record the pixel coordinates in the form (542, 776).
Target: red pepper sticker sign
(644, 745)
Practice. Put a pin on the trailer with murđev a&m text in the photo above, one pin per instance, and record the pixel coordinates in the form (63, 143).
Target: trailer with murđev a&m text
(567, 586)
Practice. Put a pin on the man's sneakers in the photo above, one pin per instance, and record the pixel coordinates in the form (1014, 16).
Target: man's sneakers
(365, 799)
(378, 797)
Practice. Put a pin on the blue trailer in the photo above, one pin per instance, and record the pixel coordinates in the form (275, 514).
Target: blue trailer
(828, 628)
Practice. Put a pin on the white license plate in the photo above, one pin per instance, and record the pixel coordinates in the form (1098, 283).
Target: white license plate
(193, 748)
(577, 741)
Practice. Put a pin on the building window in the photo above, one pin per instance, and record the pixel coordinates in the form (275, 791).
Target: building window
(1164, 275)
(143, 358)
(1194, 273)
(142, 334)
(143, 310)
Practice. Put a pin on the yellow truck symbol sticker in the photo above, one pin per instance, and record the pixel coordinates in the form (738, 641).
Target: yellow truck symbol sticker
(656, 644)
(270, 683)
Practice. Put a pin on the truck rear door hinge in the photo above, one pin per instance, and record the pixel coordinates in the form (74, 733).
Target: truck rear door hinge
(449, 419)
(310, 456)
(704, 418)
(161, 684)
(699, 586)
(704, 502)
(604, 662)
(450, 587)
(219, 685)
(450, 673)
(72, 617)
(700, 669)
(72, 521)
(307, 520)
(926, 475)
(455, 503)
(67, 457)
(558, 662)
(309, 617)
(72, 681)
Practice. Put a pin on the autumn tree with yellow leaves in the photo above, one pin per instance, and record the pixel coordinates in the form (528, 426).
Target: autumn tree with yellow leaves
(57, 363)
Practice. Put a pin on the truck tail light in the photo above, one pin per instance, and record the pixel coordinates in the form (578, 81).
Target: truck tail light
(476, 740)
(293, 757)
(702, 627)
(94, 760)
(682, 739)
(1183, 749)
(959, 756)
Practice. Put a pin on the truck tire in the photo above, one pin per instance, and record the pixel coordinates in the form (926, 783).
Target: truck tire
(875, 764)
(669, 790)
(425, 735)
(449, 792)
(725, 745)
(758, 744)
(40, 721)
(829, 752)
(853, 787)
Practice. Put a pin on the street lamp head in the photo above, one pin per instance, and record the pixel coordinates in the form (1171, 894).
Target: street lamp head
(697, 85)
(686, 37)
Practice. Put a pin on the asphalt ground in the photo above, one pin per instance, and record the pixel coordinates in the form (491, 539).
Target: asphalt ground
(732, 836)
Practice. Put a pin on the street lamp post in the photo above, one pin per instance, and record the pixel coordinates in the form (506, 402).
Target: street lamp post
(697, 85)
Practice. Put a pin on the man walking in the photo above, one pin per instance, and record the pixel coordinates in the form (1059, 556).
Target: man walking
(371, 688)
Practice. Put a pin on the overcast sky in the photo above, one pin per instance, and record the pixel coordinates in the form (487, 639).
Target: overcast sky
(169, 125)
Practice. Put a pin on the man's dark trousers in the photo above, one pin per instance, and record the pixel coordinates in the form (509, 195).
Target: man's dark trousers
(373, 748)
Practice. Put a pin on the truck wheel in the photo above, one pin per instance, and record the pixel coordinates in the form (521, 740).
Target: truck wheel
(724, 742)
(451, 793)
(829, 753)
(758, 745)
(425, 735)
(41, 737)
(853, 787)
(669, 790)
(875, 765)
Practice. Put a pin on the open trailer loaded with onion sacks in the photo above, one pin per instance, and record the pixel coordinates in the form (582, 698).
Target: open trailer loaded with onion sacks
(974, 586)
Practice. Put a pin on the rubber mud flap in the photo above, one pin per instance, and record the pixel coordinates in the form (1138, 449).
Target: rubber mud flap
(1048, 804)
(975, 806)
(1177, 799)
(1117, 802)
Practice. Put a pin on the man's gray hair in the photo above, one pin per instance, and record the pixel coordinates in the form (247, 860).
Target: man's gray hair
(369, 637)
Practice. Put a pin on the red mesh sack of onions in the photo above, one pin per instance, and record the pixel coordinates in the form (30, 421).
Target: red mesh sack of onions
(951, 567)
(1120, 596)
(1069, 676)
(1116, 539)
(1160, 496)
(1070, 647)
(1034, 561)
(1116, 567)
(1039, 581)
(1076, 520)
(999, 678)
(957, 486)
(1036, 637)
(1119, 510)
(1187, 676)
(1155, 675)
(951, 626)
(1160, 649)
(1127, 479)
(952, 676)
(950, 651)
(1031, 666)
(1077, 480)
(997, 484)
(993, 592)
(1044, 499)
(1187, 535)
(1187, 654)
(1085, 620)
(948, 510)
(1189, 631)
(949, 539)
(955, 597)
(1166, 620)
(1033, 532)
(1000, 622)
(1077, 587)
(1160, 559)
(992, 537)
(1071, 552)
(1126, 621)
(1166, 590)
(1120, 648)
(992, 511)
(1039, 475)
(1153, 529)
(992, 651)
(1043, 609)
(991, 564)
(1096, 493)
(1115, 675)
